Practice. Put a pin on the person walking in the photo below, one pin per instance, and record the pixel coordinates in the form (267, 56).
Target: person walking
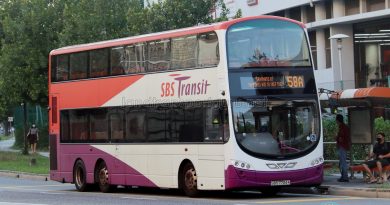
(33, 138)
(343, 142)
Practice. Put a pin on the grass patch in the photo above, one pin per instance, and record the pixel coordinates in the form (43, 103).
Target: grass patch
(3, 137)
(15, 161)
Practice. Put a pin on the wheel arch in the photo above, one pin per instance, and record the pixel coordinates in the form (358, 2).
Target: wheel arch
(97, 163)
(180, 171)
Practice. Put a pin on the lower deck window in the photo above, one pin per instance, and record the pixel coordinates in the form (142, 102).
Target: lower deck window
(195, 122)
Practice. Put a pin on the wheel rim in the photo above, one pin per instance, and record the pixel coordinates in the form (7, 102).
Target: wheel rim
(190, 179)
(103, 176)
(79, 176)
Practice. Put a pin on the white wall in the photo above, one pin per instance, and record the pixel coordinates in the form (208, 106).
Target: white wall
(263, 6)
(325, 78)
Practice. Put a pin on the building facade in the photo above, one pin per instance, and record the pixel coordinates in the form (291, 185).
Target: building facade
(365, 53)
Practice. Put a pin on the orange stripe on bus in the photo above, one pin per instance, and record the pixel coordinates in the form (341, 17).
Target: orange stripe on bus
(91, 93)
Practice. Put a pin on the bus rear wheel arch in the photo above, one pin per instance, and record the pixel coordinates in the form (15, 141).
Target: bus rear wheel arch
(80, 176)
(188, 180)
(102, 176)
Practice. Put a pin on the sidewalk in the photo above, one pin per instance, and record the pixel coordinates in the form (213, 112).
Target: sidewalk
(6, 145)
(355, 187)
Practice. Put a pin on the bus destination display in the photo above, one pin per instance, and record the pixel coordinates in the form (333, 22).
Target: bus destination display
(266, 81)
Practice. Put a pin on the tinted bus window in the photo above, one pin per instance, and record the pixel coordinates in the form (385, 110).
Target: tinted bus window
(78, 65)
(156, 126)
(116, 125)
(117, 61)
(192, 130)
(64, 126)
(176, 121)
(62, 69)
(208, 54)
(78, 122)
(184, 50)
(99, 125)
(159, 54)
(98, 62)
(135, 118)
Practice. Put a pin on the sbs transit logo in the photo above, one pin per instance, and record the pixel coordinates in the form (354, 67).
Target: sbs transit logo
(183, 86)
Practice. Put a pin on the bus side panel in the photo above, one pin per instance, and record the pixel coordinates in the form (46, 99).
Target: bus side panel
(210, 169)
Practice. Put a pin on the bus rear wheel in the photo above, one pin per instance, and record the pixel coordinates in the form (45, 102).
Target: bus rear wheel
(189, 180)
(102, 176)
(80, 176)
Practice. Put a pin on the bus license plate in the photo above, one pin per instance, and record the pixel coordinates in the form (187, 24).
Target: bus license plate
(280, 183)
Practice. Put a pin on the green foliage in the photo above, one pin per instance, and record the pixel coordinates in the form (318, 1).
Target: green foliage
(359, 151)
(382, 125)
(28, 37)
(238, 14)
(86, 21)
(168, 14)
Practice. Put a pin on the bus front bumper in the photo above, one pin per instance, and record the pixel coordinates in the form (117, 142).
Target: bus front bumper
(239, 178)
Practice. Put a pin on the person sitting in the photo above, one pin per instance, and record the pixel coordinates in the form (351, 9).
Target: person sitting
(380, 157)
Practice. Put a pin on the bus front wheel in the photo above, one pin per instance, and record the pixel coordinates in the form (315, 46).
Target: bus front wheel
(189, 181)
(103, 178)
(80, 176)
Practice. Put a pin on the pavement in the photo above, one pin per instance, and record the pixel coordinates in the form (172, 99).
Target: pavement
(355, 187)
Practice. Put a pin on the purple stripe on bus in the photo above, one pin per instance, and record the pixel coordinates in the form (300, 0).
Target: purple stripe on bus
(239, 178)
(120, 173)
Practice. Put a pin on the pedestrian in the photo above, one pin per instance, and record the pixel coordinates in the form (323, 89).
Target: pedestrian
(33, 138)
(343, 142)
(380, 157)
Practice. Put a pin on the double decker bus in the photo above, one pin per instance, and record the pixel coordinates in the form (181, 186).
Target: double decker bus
(231, 105)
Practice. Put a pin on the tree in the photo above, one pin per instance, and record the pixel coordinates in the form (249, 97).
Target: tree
(94, 20)
(169, 14)
(28, 35)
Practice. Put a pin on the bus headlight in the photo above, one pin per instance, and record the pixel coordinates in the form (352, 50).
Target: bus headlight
(241, 164)
(317, 161)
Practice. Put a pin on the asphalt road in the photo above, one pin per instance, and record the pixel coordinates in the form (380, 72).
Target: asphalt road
(15, 191)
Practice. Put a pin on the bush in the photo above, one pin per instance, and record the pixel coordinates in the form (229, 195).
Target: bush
(382, 125)
(359, 151)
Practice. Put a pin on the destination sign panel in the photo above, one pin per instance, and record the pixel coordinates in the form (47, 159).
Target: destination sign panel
(274, 81)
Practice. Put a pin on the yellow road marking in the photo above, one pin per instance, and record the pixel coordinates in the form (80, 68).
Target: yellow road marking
(306, 200)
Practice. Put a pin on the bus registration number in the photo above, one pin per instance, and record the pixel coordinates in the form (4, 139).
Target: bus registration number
(280, 183)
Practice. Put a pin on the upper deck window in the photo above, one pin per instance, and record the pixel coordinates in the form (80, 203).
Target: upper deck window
(78, 65)
(184, 51)
(159, 54)
(62, 67)
(208, 50)
(162, 55)
(98, 61)
(117, 61)
(267, 43)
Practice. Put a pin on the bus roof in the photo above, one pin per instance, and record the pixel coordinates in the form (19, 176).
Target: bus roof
(161, 35)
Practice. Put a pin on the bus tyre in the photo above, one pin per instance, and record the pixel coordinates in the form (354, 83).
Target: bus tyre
(80, 176)
(270, 191)
(103, 178)
(189, 181)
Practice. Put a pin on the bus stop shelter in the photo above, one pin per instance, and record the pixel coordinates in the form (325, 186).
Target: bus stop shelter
(363, 105)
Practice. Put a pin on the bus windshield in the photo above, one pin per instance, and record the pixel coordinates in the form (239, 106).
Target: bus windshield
(267, 43)
(276, 128)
